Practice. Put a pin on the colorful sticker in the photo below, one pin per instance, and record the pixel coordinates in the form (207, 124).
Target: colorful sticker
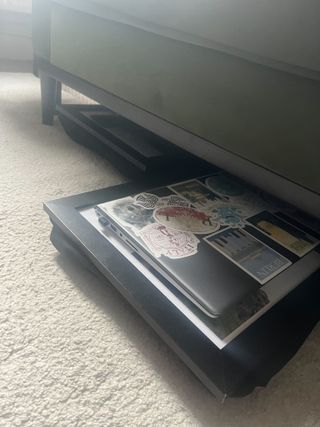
(225, 185)
(252, 203)
(127, 213)
(168, 242)
(197, 194)
(237, 192)
(287, 235)
(248, 253)
(186, 219)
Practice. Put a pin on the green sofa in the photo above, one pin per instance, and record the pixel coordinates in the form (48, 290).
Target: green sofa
(236, 75)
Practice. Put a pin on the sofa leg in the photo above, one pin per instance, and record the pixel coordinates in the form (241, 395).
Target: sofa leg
(50, 96)
(58, 93)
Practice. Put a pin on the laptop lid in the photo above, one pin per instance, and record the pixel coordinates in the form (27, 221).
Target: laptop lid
(215, 238)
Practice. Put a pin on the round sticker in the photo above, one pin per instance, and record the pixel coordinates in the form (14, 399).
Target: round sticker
(225, 185)
(186, 219)
(252, 203)
(146, 200)
(129, 214)
(174, 244)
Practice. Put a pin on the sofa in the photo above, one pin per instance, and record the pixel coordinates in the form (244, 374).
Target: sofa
(235, 82)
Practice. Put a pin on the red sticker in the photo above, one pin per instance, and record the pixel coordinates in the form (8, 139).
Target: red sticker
(186, 219)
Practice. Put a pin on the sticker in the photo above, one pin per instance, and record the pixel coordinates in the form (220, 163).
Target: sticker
(127, 213)
(171, 243)
(252, 203)
(236, 191)
(287, 235)
(197, 193)
(231, 319)
(186, 219)
(302, 219)
(225, 185)
(151, 201)
(229, 215)
(276, 203)
(146, 200)
(172, 200)
(248, 253)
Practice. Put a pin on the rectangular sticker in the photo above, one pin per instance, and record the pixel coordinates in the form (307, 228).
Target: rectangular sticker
(248, 253)
(197, 194)
(287, 235)
(304, 219)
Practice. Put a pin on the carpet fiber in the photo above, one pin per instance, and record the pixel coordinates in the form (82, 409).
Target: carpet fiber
(73, 352)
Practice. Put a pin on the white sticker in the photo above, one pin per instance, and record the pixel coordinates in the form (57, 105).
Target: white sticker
(171, 243)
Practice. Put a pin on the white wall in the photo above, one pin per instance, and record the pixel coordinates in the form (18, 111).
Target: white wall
(15, 48)
(16, 5)
(15, 30)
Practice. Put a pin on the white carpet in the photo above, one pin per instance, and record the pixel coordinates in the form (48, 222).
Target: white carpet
(73, 353)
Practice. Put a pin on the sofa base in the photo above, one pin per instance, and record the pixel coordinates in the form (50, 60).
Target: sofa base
(239, 166)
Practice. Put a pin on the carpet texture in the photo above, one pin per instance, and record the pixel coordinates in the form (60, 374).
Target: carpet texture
(73, 353)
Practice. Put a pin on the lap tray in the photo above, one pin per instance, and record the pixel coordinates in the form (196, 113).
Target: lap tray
(232, 356)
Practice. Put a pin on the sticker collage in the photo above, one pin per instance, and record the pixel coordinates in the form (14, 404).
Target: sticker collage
(261, 235)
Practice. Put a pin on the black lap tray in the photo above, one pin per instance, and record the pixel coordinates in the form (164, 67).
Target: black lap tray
(135, 151)
(248, 361)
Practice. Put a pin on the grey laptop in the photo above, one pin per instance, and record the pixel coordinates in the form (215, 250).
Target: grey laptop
(214, 238)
